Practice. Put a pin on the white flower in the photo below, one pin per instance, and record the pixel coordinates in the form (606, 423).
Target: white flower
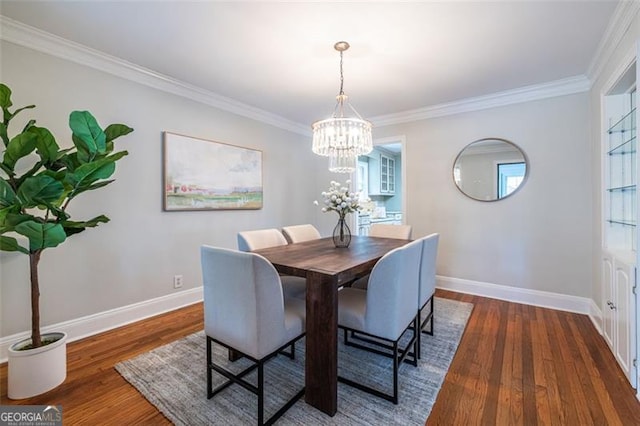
(316, 202)
(340, 199)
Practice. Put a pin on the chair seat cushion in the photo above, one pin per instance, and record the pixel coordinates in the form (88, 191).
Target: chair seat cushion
(361, 283)
(352, 306)
(293, 286)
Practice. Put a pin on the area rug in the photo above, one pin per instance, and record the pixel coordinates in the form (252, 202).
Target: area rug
(173, 378)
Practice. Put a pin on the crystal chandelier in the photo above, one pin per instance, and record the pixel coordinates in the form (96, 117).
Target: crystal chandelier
(341, 138)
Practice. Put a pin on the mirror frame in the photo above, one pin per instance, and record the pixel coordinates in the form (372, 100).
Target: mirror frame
(524, 180)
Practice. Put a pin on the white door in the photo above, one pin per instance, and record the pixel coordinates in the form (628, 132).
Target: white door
(624, 314)
(607, 311)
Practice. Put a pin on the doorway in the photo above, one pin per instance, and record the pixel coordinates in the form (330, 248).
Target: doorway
(380, 180)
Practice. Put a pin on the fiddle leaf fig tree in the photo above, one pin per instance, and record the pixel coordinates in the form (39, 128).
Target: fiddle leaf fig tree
(38, 180)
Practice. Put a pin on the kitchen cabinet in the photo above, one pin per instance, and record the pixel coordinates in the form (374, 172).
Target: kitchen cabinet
(382, 175)
(387, 175)
(619, 313)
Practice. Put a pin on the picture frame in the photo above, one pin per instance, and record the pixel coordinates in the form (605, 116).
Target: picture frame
(201, 174)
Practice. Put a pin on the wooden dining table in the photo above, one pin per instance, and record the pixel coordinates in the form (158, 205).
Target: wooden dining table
(326, 268)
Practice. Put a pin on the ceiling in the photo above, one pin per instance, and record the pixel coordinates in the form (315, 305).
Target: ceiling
(279, 57)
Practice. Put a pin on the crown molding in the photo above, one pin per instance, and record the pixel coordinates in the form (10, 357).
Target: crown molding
(566, 86)
(24, 35)
(619, 24)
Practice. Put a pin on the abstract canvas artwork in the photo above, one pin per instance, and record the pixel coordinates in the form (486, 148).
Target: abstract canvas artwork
(200, 174)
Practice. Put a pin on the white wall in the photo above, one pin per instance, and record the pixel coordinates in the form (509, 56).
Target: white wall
(537, 239)
(134, 257)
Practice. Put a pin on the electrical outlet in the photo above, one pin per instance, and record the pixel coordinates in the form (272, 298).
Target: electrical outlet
(177, 281)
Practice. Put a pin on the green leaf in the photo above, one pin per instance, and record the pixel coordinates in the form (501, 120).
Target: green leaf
(68, 161)
(7, 195)
(82, 155)
(38, 190)
(89, 173)
(20, 146)
(71, 228)
(14, 219)
(82, 189)
(5, 97)
(29, 124)
(3, 134)
(86, 129)
(11, 244)
(41, 235)
(114, 131)
(45, 144)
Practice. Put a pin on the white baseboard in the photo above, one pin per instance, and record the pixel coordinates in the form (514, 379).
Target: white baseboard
(97, 323)
(545, 299)
(595, 314)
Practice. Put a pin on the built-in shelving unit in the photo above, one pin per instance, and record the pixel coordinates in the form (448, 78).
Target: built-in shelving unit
(622, 175)
(620, 219)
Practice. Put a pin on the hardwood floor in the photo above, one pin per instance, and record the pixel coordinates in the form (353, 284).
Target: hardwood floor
(516, 365)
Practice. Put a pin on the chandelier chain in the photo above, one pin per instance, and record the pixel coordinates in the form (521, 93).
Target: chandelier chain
(341, 77)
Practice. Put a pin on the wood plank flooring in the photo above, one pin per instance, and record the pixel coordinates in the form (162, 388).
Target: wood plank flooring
(516, 365)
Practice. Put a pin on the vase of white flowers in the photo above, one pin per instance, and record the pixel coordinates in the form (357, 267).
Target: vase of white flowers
(341, 200)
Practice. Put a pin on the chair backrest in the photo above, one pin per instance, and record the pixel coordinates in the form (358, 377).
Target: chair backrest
(428, 267)
(392, 290)
(243, 302)
(300, 233)
(385, 230)
(259, 239)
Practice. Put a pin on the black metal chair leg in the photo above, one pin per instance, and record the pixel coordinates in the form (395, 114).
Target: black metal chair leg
(429, 319)
(419, 338)
(395, 373)
(209, 378)
(260, 393)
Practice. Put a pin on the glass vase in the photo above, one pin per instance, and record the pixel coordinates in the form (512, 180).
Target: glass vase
(341, 234)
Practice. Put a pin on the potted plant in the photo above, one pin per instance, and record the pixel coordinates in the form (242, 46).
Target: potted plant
(38, 180)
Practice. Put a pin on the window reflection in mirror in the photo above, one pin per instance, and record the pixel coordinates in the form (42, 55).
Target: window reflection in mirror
(490, 169)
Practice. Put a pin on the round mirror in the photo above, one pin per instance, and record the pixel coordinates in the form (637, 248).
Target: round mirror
(490, 169)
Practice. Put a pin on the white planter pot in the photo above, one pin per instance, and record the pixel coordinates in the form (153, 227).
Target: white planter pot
(35, 371)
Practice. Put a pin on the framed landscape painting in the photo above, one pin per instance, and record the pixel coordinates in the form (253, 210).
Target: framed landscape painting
(205, 175)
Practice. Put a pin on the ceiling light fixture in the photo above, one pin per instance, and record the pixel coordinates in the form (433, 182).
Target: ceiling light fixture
(342, 138)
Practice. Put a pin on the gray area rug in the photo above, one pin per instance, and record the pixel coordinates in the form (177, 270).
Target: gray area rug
(173, 378)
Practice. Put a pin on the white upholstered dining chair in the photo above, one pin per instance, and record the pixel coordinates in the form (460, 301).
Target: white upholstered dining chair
(300, 233)
(385, 311)
(385, 230)
(244, 311)
(427, 286)
(265, 238)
